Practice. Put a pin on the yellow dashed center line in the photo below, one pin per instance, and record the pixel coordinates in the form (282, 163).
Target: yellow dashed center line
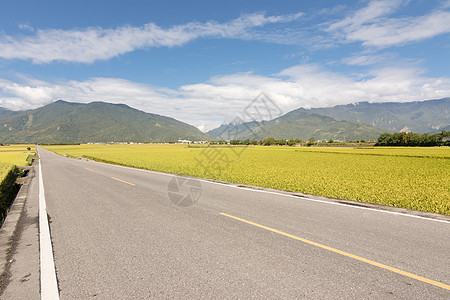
(115, 178)
(123, 181)
(371, 262)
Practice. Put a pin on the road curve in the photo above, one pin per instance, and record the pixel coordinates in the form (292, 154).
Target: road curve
(116, 234)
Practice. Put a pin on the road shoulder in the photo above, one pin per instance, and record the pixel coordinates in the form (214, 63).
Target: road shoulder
(19, 244)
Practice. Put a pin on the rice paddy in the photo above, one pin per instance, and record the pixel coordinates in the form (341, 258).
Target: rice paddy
(16, 154)
(414, 178)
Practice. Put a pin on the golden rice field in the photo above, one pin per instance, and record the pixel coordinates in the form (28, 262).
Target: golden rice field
(414, 178)
(13, 155)
(16, 154)
(10, 157)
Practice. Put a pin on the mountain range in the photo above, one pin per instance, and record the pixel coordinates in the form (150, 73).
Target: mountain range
(357, 121)
(299, 124)
(4, 113)
(419, 116)
(66, 122)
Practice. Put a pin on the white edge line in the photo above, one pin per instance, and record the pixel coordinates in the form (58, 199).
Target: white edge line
(233, 185)
(49, 284)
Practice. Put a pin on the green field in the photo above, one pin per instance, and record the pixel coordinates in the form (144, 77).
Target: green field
(414, 178)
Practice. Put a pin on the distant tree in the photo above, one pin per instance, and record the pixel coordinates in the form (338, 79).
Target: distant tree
(293, 142)
(268, 142)
(311, 142)
(414, 139)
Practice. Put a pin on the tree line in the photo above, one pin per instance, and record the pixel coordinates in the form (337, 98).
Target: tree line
(386, 139)
(267, 142)
(414, 139)
(286, 142)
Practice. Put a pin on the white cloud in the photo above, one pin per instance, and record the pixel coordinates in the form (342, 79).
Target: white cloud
(401, 31)
(26, 27)
(371, 26)
(325, 88)
(91, 44)
(206, 105)
(371, 59)
(371, 12)
(361, 60)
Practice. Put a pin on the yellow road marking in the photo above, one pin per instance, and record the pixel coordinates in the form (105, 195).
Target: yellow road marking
(89, 169)
(371, 262)
(123, 181)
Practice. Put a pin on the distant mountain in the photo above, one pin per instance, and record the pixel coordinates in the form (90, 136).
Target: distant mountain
(4, 113)
(419, 116)
(357, 121)
(65, 122)
(234, 131)
(299, 124)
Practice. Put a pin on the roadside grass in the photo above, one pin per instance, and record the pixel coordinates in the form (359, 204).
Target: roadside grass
(414, 178)
(10, 157)
(5, 169)
(8, 188)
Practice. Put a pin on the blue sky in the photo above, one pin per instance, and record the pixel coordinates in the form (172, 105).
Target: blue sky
(202, 62)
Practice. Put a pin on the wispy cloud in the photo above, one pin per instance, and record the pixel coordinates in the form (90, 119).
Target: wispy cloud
(207, 104)
(361, 60)
(91, 44)
(369, 58)
(373, 27)
(26, 27)
(372, 12)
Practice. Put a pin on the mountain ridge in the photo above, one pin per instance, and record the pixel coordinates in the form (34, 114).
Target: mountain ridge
(6, 112)
(425, 116)
(299, 124)
(362, 120)
(69, 122)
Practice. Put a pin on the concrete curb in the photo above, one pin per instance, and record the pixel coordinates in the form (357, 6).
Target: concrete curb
(8, 232)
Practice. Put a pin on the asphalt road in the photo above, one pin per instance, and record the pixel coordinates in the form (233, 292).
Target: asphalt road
(117, 235)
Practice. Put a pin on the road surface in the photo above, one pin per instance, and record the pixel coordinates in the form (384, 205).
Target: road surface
(116, 234)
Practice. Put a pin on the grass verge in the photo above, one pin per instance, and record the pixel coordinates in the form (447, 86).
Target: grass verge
(8, 188)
